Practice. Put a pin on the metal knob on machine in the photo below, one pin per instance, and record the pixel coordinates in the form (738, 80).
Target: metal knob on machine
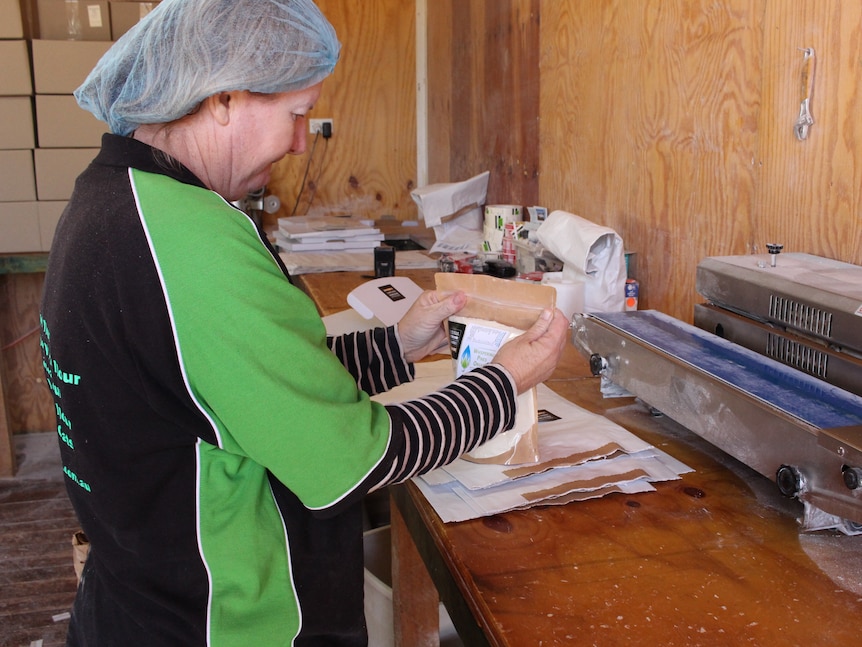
(852, 477)
(597, 364)
(789, 480)
(774, 250)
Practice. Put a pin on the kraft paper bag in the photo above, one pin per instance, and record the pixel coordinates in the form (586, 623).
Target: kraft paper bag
(497, 310)
(80, 550)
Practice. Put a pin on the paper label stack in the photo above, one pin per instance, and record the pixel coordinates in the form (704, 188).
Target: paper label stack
(322, 233)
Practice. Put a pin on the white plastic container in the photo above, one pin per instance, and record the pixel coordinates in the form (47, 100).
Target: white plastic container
(378, 594)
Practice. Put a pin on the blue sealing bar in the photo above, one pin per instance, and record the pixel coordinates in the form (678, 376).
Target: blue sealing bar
(805, 397)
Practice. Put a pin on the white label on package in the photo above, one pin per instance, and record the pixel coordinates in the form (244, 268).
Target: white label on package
(474, 342)
(94, 14)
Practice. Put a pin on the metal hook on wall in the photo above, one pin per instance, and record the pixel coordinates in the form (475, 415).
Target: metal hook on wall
(805, 120)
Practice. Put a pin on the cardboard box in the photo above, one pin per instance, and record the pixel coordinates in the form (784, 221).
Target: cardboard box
(60, 66)
(16, 123)
(62, 123)
(11, 24)
(15, 68)
(19, 227)
(125, 15)
(74, 20)
(49, 215)
(57, 169)
(17, 179)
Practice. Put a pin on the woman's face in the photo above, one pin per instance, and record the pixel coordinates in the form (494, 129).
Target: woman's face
(263, 128)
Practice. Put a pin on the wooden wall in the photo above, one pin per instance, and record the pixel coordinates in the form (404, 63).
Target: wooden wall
(493, 63)
(672, 123)
(368, 167)
(652, 126)
(28, 401)
(669, 121)
(810, 194)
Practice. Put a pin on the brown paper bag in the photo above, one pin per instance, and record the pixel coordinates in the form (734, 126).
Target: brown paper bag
(497, 310)
(80, 549)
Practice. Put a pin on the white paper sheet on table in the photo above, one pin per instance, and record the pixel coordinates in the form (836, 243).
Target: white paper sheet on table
(543, 488)
(452, 506)
(345, 261)
(577, 436)
(583, 455)
(430, 376)
(347, 321)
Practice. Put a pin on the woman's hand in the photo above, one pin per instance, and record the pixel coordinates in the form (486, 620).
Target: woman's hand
(422, 328)
(533, 356)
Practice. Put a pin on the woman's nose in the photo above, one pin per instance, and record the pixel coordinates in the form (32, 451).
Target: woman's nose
(298, 145)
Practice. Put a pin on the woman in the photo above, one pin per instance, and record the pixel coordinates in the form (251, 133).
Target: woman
(217, 445)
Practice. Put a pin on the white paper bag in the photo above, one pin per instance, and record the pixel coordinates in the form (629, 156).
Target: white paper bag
(591, 253)
(454, 211)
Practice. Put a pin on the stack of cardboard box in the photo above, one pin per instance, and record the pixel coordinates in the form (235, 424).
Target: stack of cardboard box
(19, 220)
(42, 152)
(125, 14)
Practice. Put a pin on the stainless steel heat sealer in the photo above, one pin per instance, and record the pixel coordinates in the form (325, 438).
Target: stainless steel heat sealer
(792, 427)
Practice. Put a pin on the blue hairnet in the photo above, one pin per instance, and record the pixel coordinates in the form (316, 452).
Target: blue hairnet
(184, 51)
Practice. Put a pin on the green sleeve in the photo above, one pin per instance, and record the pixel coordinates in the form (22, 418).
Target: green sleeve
(253, 348)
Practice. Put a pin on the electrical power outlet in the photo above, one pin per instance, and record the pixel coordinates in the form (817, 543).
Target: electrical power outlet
(316, 125)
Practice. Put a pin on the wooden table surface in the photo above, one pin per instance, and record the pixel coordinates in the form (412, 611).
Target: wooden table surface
(716, 558)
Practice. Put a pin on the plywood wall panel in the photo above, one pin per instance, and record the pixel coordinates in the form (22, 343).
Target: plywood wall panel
(810, 192)
(440, 82)
(28, 399)
(649, 114)
(368, 167)
(495, 97)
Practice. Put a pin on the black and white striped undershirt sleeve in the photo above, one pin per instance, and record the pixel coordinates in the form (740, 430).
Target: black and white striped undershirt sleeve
(373, 357)
(439, 427)
(434, 430)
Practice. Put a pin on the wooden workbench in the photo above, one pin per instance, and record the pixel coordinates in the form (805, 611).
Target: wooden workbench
(715, 558)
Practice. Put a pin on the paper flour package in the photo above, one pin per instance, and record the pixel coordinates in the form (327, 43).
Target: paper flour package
(497, 311)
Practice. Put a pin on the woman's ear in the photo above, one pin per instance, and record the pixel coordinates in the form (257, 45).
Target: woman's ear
(220, 106)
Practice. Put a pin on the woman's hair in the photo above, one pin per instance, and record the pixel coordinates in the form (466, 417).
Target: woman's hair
(184, 51)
